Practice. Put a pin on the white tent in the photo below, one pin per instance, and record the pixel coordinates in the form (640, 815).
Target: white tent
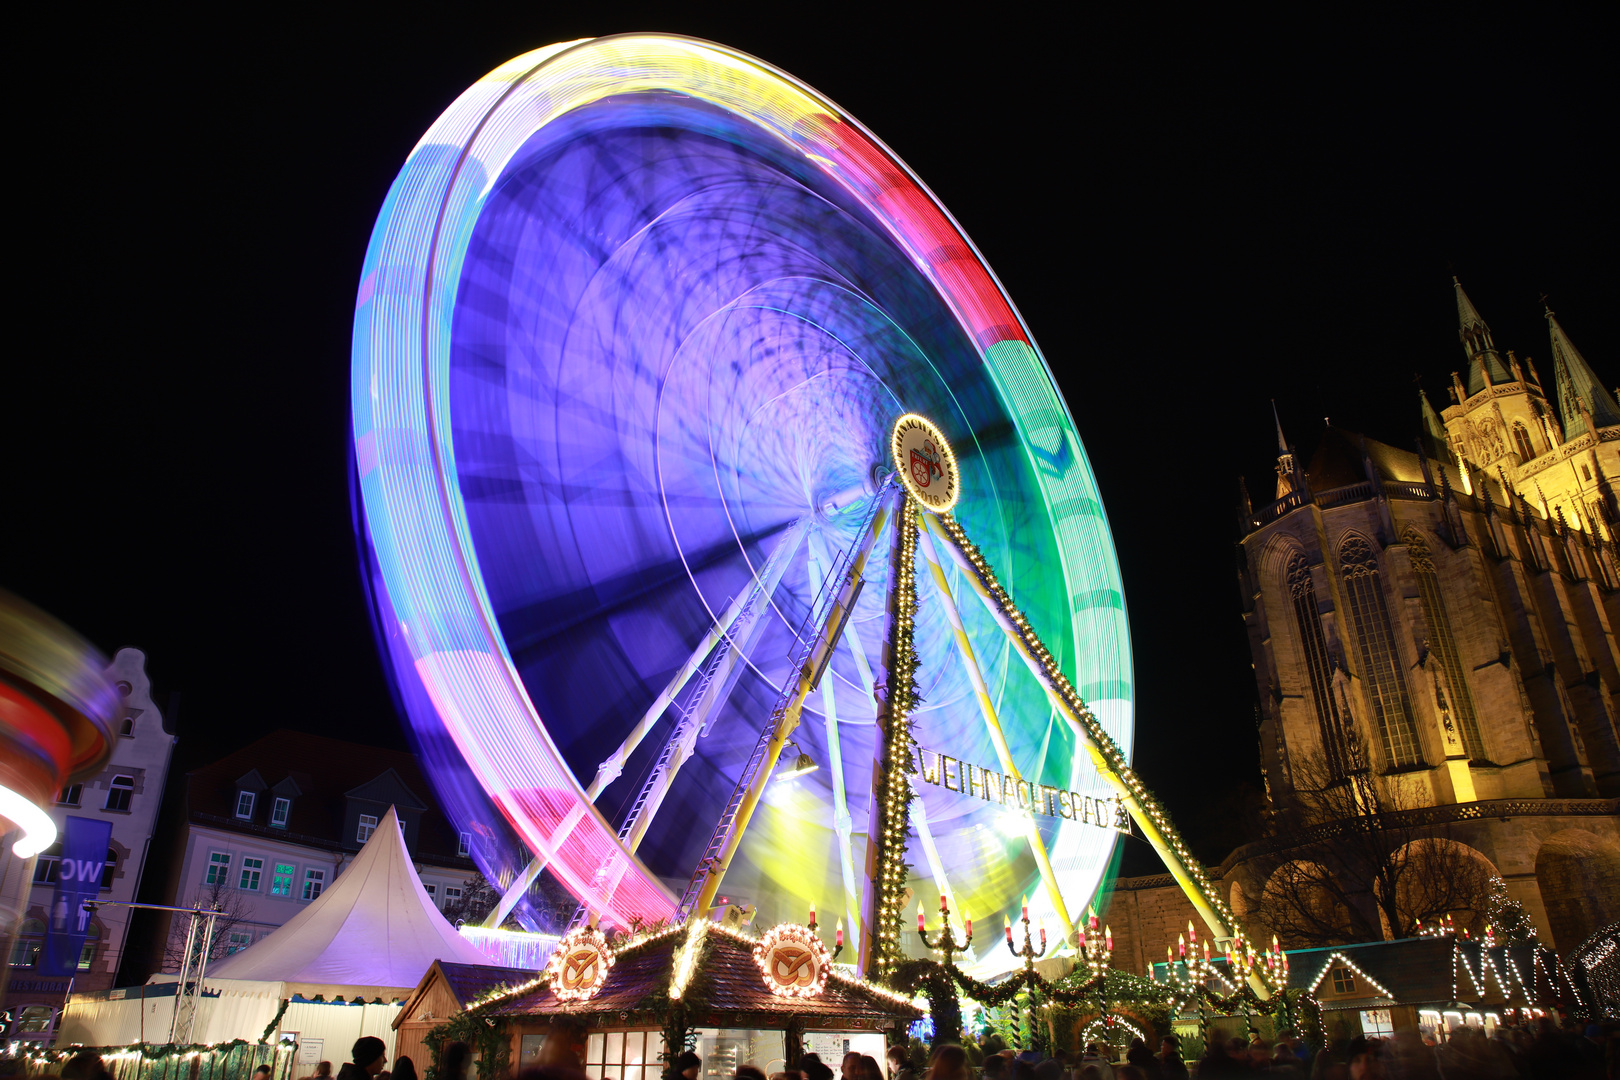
(374, 927)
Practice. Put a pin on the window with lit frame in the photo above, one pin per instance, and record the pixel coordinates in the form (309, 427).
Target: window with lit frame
(280, 810)
(120, 793)
(281, 881)
(368, 825)
(314, 882)
(244, 805)
(219, 868)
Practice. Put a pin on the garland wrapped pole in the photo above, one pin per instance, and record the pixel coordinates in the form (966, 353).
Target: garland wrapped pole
(1106, 755)
(889, 822)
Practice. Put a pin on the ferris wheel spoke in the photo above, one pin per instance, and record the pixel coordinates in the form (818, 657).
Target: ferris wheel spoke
(782, 554)
(842, 824)
(992, 722)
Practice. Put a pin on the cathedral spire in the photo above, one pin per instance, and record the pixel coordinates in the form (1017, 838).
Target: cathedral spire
(1485, 367)
(1582, 401)
(1285, 457)
(1434, 432)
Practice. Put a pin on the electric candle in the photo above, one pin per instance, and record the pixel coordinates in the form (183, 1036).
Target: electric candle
(942, 906)
(812, 914)
(1026, 909)
(838, 938)
(1009, 931)
(921, 926)
(1108, 938)
(1181, 944)
(967, 924)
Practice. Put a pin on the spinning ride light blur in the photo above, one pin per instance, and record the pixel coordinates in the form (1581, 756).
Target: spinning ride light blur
(56, 714)
(638, 313)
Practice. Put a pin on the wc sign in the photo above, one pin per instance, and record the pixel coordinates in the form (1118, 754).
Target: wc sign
(84, 857)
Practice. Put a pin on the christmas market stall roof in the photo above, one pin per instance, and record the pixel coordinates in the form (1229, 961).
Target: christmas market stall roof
(374, 926)
(1434, 971)
(724, 987)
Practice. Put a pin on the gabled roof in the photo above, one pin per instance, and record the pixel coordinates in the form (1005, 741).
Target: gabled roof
(374, 925)
(727, 982)
(323, 771)
(1414, 971)
(466, 983)
(1577, 385)
(389, 790)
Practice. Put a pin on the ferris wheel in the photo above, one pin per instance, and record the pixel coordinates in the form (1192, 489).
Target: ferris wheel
(637, 330)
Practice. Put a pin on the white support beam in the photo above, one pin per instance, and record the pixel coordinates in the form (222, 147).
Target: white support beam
(842, 824)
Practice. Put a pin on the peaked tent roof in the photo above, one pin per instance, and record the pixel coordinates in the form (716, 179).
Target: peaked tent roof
(375, 925)
(1469, 319)
(1576, 380)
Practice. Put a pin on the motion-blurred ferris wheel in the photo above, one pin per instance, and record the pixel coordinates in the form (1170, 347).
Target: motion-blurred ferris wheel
(634, 331)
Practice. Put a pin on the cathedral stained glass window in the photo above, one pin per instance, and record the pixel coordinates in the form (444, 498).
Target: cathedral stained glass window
(1318, 664)
(1381, 672)
(1443, 644)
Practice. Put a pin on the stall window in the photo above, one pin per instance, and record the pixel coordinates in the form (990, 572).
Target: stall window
(623, 1055)
(1377, 1022)
(1343, 981)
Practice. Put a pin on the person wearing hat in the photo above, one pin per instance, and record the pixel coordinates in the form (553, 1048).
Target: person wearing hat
(369, 1056)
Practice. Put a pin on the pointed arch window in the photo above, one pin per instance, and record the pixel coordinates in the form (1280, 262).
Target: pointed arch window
(1443, 644)
(1318, 663)
(1381, 673)
(1521, 442)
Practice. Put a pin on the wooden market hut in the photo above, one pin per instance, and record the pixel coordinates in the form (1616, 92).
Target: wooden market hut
(739, 1019)
(447, 990)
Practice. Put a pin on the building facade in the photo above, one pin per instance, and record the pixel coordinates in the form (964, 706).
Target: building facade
(1433, 625)
(270, 827)
(128, 792)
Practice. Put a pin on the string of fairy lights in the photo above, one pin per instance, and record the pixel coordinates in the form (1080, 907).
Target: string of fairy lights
(892, 786)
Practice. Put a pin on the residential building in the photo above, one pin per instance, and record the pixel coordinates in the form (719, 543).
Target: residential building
(269, 827)
(127, 791)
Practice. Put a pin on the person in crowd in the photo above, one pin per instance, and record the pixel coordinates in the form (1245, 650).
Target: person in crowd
(749, 1072)
(900, 1063)
(454, 1061)
(686, 1066)
(1142, 1058)
(1050, 1069)
(564, 1046)
(1129, 1072)
(1283, 1063)
(404, 1069)
(85, 1065)
(1095, 1058)
(1364, 1059)
(948, 1062)
(863, 1067)
(1171, 1067)
(323, 1071)
(262, 1073)
(811, 1067)
(1218, 1059)
(994, 1065)
(367, 1058)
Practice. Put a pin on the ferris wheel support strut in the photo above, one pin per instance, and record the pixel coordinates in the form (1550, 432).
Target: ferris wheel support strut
(992, 722)
(1156, 828)
(919, 814)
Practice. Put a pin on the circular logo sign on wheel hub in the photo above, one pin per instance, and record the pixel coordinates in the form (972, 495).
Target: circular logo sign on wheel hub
(927, 466)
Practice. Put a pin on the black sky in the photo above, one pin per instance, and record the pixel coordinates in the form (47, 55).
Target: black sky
(1194, 217)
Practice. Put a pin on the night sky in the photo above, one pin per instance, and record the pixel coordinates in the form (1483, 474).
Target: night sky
(1194, 218)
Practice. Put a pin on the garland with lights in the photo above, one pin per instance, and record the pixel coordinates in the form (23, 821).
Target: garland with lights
(153, 1052)
(891, 798)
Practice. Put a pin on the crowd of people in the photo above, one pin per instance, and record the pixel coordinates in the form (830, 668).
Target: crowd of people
(1544, 1051)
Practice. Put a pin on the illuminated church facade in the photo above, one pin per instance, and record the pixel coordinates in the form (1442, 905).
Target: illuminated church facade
(1441, 619)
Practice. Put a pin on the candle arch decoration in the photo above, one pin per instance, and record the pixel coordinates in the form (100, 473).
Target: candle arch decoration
(598, 271)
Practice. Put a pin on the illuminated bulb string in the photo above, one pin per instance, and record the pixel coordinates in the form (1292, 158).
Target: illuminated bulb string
(893, 786)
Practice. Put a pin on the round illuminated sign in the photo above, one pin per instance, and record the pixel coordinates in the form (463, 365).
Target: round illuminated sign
(580, 964)
(927, 466)
(793, 960)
